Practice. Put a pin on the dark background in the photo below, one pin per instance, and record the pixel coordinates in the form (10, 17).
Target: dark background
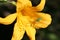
(52, 32)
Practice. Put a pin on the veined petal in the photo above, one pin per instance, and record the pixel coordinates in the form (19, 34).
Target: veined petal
(41, 5)
(43, 22)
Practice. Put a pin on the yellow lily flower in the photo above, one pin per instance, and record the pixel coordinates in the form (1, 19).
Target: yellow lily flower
(28, 18)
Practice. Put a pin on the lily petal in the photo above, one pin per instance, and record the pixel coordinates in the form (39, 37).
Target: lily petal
(44, 21)
(31, 32)
(41, 5)
(18, 32)
(9, 19)
(23, 3)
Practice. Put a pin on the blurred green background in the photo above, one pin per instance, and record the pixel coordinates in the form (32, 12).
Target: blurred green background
(52, 32)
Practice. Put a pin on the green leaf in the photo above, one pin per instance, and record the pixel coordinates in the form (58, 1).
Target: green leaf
(3, 0)
(52, 36)
(13, 2)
